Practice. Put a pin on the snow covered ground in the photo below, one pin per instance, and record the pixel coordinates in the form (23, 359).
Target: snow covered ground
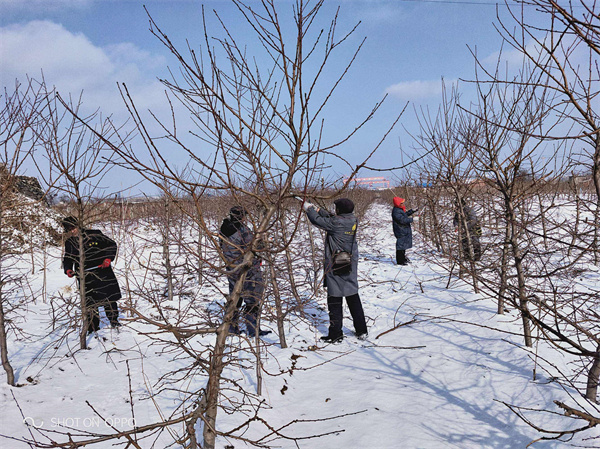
(438, 381)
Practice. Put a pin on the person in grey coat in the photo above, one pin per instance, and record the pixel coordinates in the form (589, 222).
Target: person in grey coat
(401, 223)
(469, 230)
(235, 239)
(340, 236)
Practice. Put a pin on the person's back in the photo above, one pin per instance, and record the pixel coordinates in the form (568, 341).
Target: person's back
(469, 236)
(471, 218)
(341, 236)
(235, 239)
(341, 230)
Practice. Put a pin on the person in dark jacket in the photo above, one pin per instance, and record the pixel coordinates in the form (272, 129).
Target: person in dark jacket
(101, 286)
(466, 222)
(401, 223)
(340, 236)
(235, 239)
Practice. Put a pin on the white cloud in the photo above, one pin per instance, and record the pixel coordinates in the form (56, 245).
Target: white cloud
(72, 63)
(383, 13)
(511, 59)
(375, 12)
(418, 89)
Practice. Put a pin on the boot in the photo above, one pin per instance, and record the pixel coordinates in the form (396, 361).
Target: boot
(332, 339)
(251, 326)
(112, 313)
(93, 321)
(401, 257)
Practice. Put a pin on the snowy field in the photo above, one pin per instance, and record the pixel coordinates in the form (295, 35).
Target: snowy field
(438, 381)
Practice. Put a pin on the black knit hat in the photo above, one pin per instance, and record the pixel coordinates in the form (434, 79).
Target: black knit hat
(343, 206)
(70, 223)
(237, 212)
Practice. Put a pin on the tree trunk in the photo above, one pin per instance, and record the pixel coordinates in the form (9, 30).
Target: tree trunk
(437, 228)
(577, 218)
(543, 219)
(166, 236)
(591, 392)
(85, 319)
(522, 291)
(596, 178)
(217, 364)
(315, 267)
(10, 375)
(278, 308)
(503, 271)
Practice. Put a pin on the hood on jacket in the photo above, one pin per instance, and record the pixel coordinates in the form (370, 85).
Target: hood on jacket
(230, 226)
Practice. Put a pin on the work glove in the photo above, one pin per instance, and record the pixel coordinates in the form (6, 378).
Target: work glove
(70, 273)
(307, 206)
(412, 211)
(105, 264)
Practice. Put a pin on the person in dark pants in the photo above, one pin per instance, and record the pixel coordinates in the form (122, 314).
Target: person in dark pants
(340, 236)
(235, 239)
(101, 286)
(466, 221)
(401, 223)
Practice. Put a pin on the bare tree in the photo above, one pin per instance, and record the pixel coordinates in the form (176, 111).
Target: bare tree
(19, 114)
(524, 119)
(564, 51)
(449, 168)
(77, 164)
(258, 141)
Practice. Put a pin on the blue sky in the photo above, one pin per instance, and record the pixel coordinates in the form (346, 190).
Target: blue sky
(91, 45)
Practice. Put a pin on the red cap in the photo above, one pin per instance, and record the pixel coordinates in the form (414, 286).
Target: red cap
(398, 201)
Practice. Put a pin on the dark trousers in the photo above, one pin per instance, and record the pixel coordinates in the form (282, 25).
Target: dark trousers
(93, 314)
(401, 257)
(101, 290)
(250, 297)
(476, 245)
(336, 315)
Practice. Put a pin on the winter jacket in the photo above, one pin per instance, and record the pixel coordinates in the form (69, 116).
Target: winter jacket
(97, 247)
(471, 234)
(471, 220)
(402, 230)
(341, 235)
(235, 239)
(100, 283)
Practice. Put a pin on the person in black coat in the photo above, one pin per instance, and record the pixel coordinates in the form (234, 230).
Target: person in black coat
(401, 223)
(101, 286)
(341, 236)
(235, 239)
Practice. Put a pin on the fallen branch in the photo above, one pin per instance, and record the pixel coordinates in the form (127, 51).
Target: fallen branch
(414, 320)
(578, 413)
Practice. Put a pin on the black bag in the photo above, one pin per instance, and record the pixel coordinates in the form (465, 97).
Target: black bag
(342, 263)
(342, 260)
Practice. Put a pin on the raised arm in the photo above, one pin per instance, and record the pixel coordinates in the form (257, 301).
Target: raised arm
(321, 219)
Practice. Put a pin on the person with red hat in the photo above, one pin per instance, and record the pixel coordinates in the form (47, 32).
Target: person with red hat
(401, 222)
